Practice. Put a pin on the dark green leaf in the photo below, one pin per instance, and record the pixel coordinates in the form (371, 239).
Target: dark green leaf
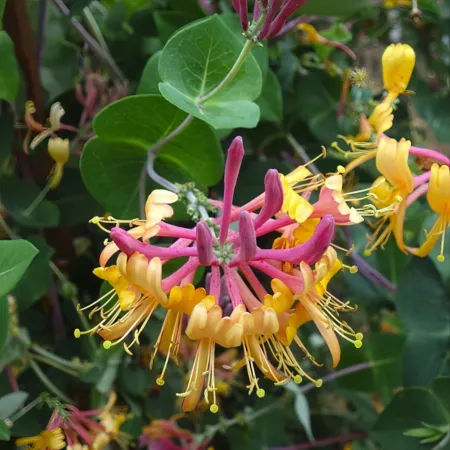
(168, 22)
(409, 409)
(9, 70)
(7, 134)
(5, 433)
(423, 307)
(195, 61)
(15, 257)
(271, 101)
(112, 162)
(4, 321)
(441, 388)
(10, 403)
(327, 8)
(36, 281)
(17, 195)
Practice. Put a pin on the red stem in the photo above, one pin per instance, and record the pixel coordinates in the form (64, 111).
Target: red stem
(326, 441)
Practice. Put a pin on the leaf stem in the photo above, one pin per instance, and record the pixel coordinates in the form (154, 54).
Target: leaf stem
(231, 74)
(25, 409)
(51, 356)
(47, 382)
(52, 363)
(301, 152)
(91, 42)
(38, 200)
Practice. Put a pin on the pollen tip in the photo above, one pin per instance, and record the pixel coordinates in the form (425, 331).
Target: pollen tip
(340, 169)
(77, 333)
(353, 269)
(359, 336)
(319, 383)
(367, 252)
(214, 409)
(358, 344)
(160, 382)
(107, 345)
(298, 379)
(260, 393)
(441, 258)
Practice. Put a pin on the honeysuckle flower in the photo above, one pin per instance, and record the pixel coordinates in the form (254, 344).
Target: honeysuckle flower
(398, 62)
(58, 149)
(243, 318)
(391, 196)
(438, 197)
(54, 124)
(390, 4)
(312, 36)
(274, 12)
(46, 440)
(73, 429)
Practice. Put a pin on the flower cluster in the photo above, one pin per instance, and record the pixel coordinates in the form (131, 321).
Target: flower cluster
(73, 429)
(402, 188)
(271, 13)
(263, 324)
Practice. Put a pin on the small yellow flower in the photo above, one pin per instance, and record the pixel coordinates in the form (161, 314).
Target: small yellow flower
(398, 63)
(381, 118)
(58, 149)
(438, 197)
(396, 3)
(311, 35)
(47, 440)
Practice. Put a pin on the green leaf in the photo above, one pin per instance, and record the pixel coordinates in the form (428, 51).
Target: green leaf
(5, 432)
(7, 134)
(316, 102)
(409, 409)
(15, 257)
(384, 352)
(271, 99)
(36, 281)
(150, 76)
(195, 61)
(336, 33)
(17, 195)
(9, 70)
(301, 407)
(10, 403)
(112, 162)
(4, 321)
(423, 307)
(441, 388)
(327, 8)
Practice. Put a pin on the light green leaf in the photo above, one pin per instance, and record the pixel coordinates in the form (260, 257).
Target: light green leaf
(271, 99)
(10, 403)
(9, 70)
(36, 280)
(17, 195)
(423, 307)
(301, 407)
(150, 76)
(112, 162)
(195, 61)
(15, 257)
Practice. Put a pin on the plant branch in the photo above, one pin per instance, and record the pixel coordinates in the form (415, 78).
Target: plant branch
(47, 382)
(301, 152)
(91, 42)
(324, 442)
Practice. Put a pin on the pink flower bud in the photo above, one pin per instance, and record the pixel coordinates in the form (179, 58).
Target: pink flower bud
(247, 237)
(289, 8)
(234, 160)
(204, 243)
(273, 198)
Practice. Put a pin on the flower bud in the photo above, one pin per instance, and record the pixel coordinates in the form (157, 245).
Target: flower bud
(398, 63)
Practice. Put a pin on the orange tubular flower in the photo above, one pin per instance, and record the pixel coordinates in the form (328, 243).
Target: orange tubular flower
(438, 197)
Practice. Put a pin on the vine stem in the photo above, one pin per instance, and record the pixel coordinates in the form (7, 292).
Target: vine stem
(301, 152)
(323, 442)
(47, 382)
(52, 363)
(25, 410)
(90, 41)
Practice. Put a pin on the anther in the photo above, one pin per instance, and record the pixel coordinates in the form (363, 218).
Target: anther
(77, 333)
(107, 345)
(214, 409)
(160, 382)
(260, 393)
